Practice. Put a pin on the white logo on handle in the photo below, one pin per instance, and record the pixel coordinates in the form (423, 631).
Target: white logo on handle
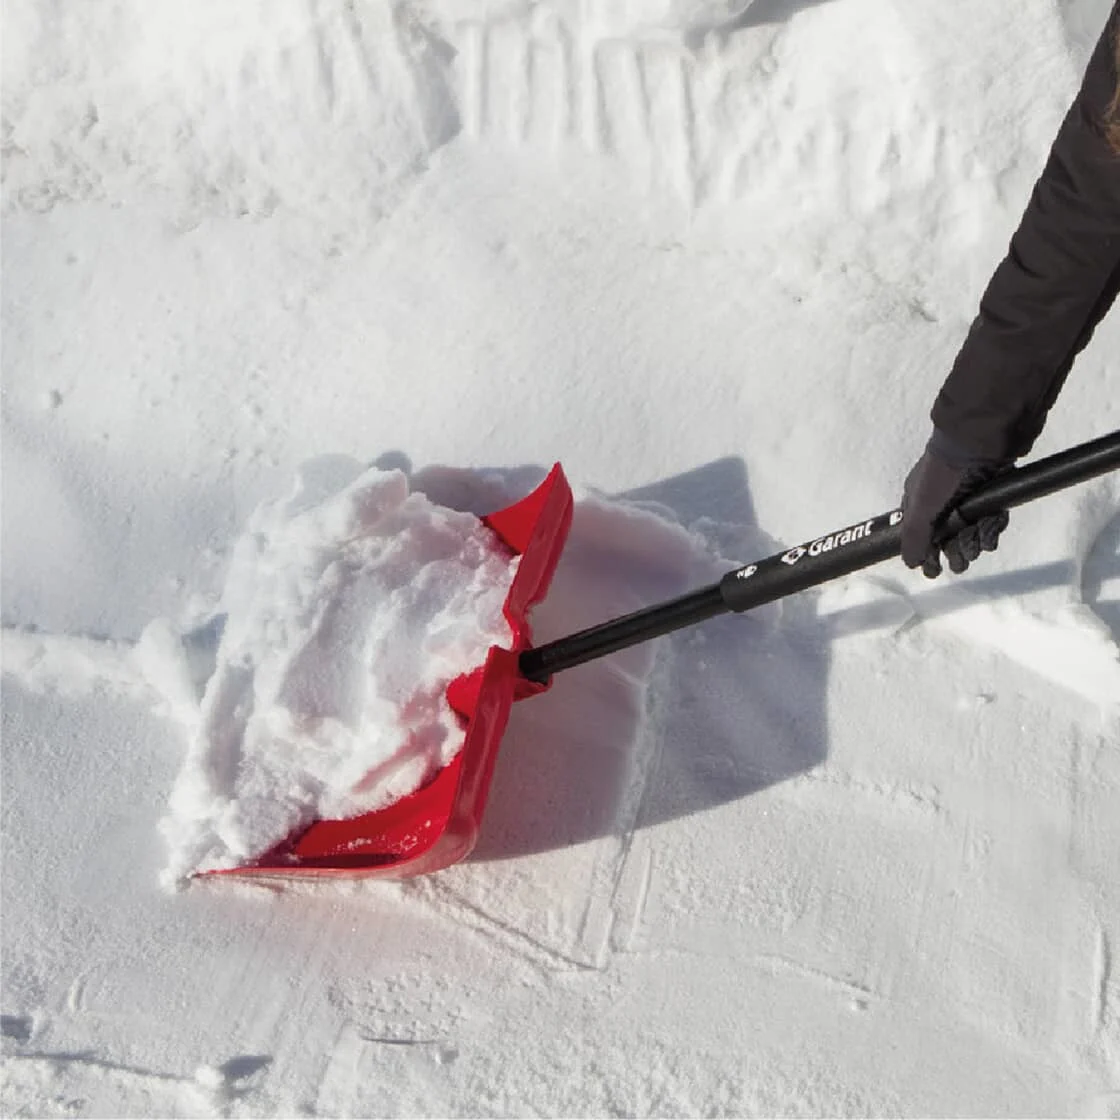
(834, 540)
(896, 517)
(746, 573)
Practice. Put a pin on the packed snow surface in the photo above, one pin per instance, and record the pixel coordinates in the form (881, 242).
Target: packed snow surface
(348, 608)
(854, 854)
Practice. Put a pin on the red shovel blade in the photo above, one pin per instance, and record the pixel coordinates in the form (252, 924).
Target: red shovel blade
(438, 825)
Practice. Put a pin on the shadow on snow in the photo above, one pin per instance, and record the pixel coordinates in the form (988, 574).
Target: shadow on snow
(668, 728)
(699, 718)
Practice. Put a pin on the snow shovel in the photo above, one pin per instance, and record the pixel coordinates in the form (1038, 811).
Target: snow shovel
(438, 825)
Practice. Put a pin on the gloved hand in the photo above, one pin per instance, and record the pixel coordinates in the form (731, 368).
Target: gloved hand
(940, 480)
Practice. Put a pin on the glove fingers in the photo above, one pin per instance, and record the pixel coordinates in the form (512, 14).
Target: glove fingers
(965, 547)
(991, 528)
(957, 562)
(916, 540)
(913, 552)
(962, 549)
(923, 494)
(970, 543)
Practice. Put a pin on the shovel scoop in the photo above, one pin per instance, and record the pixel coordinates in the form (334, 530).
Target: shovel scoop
(438, 824)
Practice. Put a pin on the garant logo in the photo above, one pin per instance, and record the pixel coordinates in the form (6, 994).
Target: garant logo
(896, 517)
(838, 540)
(834, 540)
(746, 573)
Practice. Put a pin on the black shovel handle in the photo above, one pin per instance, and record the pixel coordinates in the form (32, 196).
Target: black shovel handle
(817, 561)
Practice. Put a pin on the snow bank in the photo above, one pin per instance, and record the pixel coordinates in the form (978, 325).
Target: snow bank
(349, 607)
(233, 109)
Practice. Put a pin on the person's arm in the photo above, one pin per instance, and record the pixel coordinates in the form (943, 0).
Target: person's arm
(1060, 276)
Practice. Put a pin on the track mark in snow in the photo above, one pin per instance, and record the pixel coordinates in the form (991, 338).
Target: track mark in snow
(76, 994)
(569, 90)
(1100, 576)
(456, 908)
(612, 914)
(613, 892)
(601, 917)
(671, 120)
(549, 113)
(624, 105)
(507, 76)
(517, 87)
(860, 993)
(712, 124)
(402, 1041)
(619, 887)
(498, 78)
(1102, 969)
(923, 801)
(543, 83)
(472, 67)
(629, 902)
(369, 1075)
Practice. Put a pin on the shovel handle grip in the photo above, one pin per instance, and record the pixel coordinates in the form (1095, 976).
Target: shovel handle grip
(859, 546)
(817, 561)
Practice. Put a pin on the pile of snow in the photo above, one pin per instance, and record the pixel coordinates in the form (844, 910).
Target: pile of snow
(348, 608)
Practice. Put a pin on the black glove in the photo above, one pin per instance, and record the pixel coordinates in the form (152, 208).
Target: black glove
(940, 480)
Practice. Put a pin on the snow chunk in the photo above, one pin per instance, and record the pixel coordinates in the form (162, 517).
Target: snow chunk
(349, 607)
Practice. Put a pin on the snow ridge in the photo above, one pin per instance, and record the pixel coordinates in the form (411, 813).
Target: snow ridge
(323, 107)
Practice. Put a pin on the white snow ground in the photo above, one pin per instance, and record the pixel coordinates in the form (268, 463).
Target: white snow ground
(856, 856)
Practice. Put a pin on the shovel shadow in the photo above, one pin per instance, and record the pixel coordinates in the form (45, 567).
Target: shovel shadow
(671, 727)
(708, 715)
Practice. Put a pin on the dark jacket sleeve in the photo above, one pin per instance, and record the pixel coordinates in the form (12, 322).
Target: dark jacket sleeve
(1060, 276)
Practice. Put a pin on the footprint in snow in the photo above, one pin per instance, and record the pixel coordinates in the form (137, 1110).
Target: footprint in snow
(1100, 580)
